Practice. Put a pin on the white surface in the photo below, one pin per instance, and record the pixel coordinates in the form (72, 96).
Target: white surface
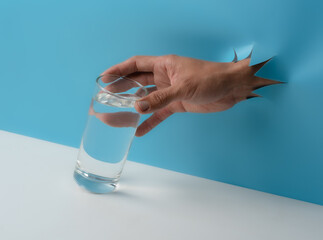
(39, 200)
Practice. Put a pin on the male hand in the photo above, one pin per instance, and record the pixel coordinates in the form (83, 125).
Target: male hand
(185, 84)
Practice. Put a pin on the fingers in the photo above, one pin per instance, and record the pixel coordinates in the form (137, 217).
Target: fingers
(132, 65)
(153, 121)
(144, 78)
(141, 92)
(157, 100)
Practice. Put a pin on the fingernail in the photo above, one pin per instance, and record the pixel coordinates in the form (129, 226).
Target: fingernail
(143, 105)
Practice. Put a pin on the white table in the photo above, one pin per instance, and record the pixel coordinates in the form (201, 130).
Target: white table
(40, 200)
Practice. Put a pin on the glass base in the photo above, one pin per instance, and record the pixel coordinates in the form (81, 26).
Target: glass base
(95, 183)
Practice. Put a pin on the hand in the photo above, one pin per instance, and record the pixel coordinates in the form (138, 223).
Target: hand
(185, 84)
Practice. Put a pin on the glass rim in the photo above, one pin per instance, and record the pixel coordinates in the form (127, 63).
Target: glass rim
(119, 77)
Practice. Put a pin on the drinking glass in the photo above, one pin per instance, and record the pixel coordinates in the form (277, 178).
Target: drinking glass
(110, 129)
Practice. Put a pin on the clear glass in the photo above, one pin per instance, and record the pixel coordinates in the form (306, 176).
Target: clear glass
(110, 129)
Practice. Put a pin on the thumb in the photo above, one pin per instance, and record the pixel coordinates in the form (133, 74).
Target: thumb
(156, 100)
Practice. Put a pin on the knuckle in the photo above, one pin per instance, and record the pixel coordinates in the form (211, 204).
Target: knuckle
(158, 117)
(169, 57)
(163, 58)
(159, 98)
(134, 58)
(165, 113)
(148, 126)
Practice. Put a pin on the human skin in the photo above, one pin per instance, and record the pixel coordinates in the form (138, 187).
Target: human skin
(185, 84)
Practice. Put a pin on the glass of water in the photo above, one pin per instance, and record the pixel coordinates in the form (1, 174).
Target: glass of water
(110, 129)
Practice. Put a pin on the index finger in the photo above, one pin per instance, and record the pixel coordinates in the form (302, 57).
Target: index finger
(132, 65)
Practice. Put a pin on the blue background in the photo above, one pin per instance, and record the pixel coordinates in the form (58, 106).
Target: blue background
(51, 52)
